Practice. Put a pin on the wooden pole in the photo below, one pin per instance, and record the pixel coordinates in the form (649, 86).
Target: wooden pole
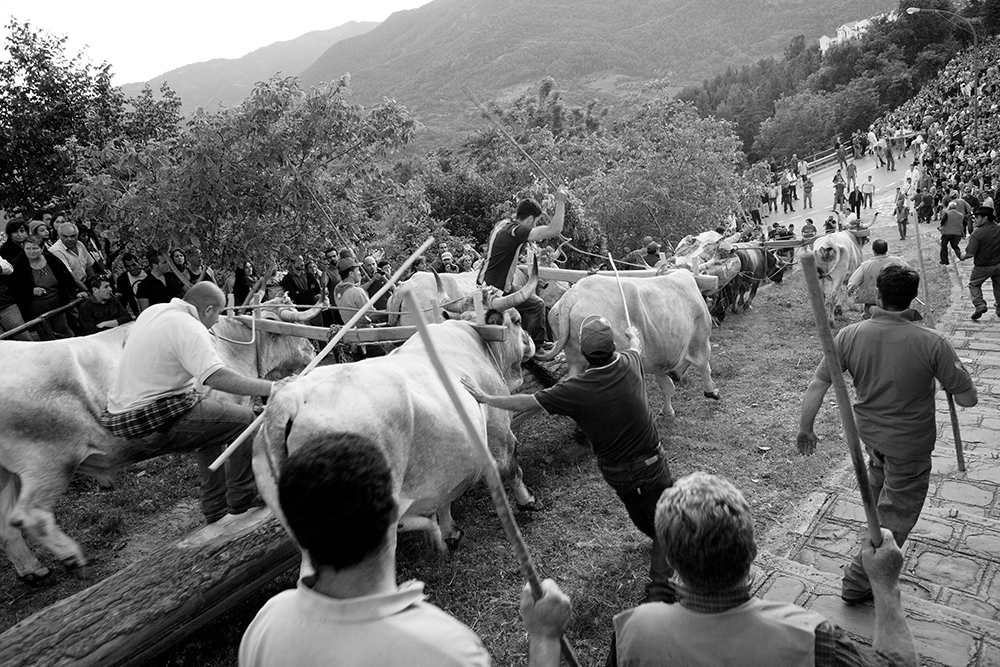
(618, 279)
(929, 316)
(506, 135)
(243, 437)
(492, 474)
(843, 398)
(44, 316)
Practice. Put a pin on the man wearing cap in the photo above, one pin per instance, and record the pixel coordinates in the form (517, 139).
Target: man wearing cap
(608, 402)
(349, 297)
(503, 248)
(861, 284)
(984, 249)
(652, 255)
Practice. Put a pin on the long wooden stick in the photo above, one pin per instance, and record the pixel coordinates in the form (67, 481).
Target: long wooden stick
(217, 463)
(44, 316)
(808, 261)
(618, 278)
(492, 474)
(508, 137)
(929, 316)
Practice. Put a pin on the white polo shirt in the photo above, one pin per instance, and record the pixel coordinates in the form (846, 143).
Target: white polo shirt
(77, 262)
(168, 352)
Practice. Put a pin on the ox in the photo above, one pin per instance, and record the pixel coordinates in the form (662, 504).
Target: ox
(424, 285)
(54, 394)
(399, 403)
(756, 265)
(837, 256)
(669, 311)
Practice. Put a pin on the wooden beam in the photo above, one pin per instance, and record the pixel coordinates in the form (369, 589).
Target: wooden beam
(488, 332)
(132, 616)
(706, 283)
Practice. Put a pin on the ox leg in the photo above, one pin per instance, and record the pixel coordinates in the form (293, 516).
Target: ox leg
(512, 474)
(667, 388)
(449, 530)
(708, 385)
(39, 491)
(428, 525)
(27, 566)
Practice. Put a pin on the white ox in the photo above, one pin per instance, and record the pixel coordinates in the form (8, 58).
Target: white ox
(837, 256)
(53, 395)
(399, 403)
(669, 312)
(456, 287)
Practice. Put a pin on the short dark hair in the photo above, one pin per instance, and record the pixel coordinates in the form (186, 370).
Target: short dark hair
(880, 247)
(129, 257)
(897, 286)
(94, 282)
(336, 495)
(383, 262)
(527, 207)
(153, 256)
(13, 226)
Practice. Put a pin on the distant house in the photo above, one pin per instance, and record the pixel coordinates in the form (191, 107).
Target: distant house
(852, 30)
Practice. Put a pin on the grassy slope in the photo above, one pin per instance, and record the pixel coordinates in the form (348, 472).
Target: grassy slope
(762, 362)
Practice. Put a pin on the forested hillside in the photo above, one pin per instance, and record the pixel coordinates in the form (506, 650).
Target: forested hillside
(228, 81)
(421, 57)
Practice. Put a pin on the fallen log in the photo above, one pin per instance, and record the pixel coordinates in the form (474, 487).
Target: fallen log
(134, 615)
(490, 332)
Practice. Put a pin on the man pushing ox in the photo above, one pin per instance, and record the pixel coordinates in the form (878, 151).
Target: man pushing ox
(608, 402)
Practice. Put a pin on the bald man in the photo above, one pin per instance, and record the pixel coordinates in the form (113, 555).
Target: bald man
(155, 400)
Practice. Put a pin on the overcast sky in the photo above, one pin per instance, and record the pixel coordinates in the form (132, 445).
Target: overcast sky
(144, 39)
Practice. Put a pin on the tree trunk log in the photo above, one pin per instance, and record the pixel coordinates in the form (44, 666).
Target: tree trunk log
(133, 615)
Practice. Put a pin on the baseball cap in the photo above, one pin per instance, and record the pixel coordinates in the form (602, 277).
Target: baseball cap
(596, 338)
(447, 256)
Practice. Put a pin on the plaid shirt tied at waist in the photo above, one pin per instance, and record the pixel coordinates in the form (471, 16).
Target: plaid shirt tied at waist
(153, 417)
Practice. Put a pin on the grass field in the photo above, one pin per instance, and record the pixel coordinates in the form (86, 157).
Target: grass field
(762, 363)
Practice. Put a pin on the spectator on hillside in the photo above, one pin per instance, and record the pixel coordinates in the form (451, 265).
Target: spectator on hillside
(10, 313)
(16, 231)
(708, 532)
(852, 175)
(925, 206)
(41, 229)
(301, 286)
(102, 310)
(807, 192)
(44, 284)
(160, 285)
(984, 249)
(197, 270)
(73, 254)
(808, 229)
(633, 260)
(839, 194)
(952, 228)
(868, 192)
(854, 201)
(128, 280)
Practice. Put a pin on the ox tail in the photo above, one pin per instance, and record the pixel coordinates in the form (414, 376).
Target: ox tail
(559, 321)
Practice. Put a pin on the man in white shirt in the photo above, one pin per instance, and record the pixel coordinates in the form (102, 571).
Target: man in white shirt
(169, 355)
(72, 253)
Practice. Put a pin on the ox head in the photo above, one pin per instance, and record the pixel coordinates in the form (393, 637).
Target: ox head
(826, 256)
(775, 266)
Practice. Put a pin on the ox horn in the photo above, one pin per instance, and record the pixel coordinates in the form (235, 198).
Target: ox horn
(456, 307)
(502, 303)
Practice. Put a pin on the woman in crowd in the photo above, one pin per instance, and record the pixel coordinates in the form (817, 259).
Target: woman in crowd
(47, 284)
(41, 229)
(16, 232)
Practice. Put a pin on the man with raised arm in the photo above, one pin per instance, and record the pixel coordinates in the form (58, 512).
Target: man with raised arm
(335, 493)
(503, 249)
(706, 526)
(608, 402)
(894, 364)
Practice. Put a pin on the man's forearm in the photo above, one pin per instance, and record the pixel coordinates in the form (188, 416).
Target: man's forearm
(232, 382)
(892, 634)
(515, 403)
(811, 402)
(543, 652)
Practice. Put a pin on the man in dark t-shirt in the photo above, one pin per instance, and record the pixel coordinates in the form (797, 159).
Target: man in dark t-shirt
(608, 402)
(984, 249)
(161, 285)
(503, 249)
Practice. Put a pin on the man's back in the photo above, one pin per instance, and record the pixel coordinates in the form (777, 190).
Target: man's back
(504, 245)
(304, 628)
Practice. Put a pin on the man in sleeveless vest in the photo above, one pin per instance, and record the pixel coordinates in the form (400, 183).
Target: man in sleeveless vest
(503, 248)
(706, 527)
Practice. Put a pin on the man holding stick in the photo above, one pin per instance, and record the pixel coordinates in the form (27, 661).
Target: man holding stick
(894, 364)
(503, 249)
(608, 402)
(336, 497)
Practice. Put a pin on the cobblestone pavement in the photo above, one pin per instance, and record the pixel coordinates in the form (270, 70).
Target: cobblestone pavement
(952, 558)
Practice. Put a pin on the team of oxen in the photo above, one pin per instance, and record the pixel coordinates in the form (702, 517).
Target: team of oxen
(54, 392)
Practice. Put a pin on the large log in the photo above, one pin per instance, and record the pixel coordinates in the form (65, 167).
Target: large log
(133, 615)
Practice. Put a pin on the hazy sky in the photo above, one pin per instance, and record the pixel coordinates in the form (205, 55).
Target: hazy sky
(144, 39)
